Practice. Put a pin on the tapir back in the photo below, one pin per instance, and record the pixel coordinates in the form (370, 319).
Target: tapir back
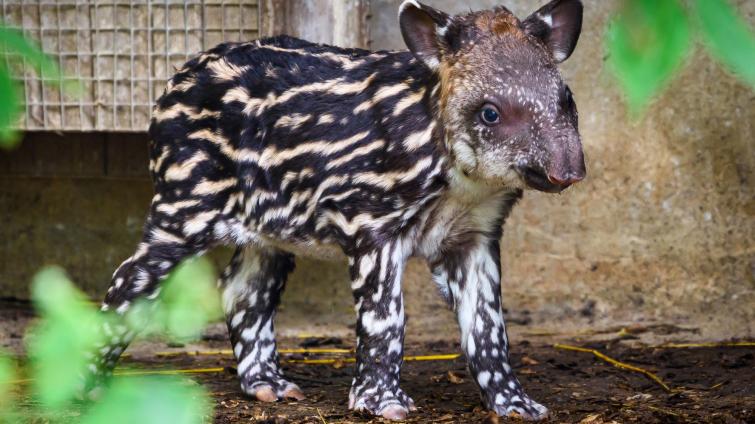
(299, 141)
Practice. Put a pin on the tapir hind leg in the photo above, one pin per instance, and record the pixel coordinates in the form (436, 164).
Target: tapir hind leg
(165, 243)
(252, 285)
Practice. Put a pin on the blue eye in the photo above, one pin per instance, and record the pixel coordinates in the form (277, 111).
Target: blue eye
(489, 115)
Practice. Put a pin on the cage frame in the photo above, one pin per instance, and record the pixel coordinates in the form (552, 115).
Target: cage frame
(102, 105)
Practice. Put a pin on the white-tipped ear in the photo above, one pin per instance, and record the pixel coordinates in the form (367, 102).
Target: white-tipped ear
(422, 28)
(558, 25)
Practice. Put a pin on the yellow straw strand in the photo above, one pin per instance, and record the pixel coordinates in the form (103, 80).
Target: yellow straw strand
(318, 361)
(228, 352)
(697, 345)
(169, 372)
(444, 357)
(21, 381)
(126, 372)
(447, 357)
(322, 419)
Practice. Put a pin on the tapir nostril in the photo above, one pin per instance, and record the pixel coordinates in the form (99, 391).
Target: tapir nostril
(565, 181)
(557, 180)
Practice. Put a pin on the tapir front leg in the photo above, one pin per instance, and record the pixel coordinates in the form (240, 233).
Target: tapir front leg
(471, 278)
(376, 285)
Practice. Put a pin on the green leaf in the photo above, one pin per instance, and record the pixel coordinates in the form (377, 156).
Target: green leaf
(188, 302)
(728, 37)
(69, 329)
(13, 40)
(150, 400)
(18, 50)
(646, 43)
(10, 109)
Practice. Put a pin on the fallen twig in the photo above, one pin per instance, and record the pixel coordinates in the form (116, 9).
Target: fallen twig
(615, 363)
(663, 410)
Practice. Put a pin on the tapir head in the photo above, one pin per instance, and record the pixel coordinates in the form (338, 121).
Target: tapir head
(509, 118)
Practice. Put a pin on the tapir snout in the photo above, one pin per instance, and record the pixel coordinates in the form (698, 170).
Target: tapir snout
(566, 165)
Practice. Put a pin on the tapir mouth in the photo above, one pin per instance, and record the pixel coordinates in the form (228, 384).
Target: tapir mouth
(537, 179)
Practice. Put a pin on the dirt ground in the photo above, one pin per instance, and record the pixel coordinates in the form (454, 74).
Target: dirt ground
(708, 384)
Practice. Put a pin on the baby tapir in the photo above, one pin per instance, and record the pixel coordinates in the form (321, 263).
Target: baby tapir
(282, 147)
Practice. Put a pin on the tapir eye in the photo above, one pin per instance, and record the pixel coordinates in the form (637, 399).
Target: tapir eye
(489, 115)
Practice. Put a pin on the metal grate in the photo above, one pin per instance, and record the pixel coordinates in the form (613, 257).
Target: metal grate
(122, 52)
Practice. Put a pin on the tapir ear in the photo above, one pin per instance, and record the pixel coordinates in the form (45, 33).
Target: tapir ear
(423, 29)
(558, 25)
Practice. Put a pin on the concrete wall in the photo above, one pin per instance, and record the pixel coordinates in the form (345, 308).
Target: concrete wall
(662, 229)
(337, 22)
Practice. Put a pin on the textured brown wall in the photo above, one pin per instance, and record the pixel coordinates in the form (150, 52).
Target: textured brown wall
(662, 229)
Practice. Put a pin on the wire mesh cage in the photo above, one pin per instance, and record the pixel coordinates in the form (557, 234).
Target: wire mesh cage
(122, 52)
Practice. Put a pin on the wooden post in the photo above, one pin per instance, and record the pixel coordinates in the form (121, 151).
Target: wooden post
(343, 23)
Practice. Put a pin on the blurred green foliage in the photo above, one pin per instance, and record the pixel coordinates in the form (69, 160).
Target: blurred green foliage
(70, 328)
(189, 301)
(647, 44)
(727, 37)
(649, 39)
(146, 400)
(7, 401)
(18, 50)
(7, 374)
